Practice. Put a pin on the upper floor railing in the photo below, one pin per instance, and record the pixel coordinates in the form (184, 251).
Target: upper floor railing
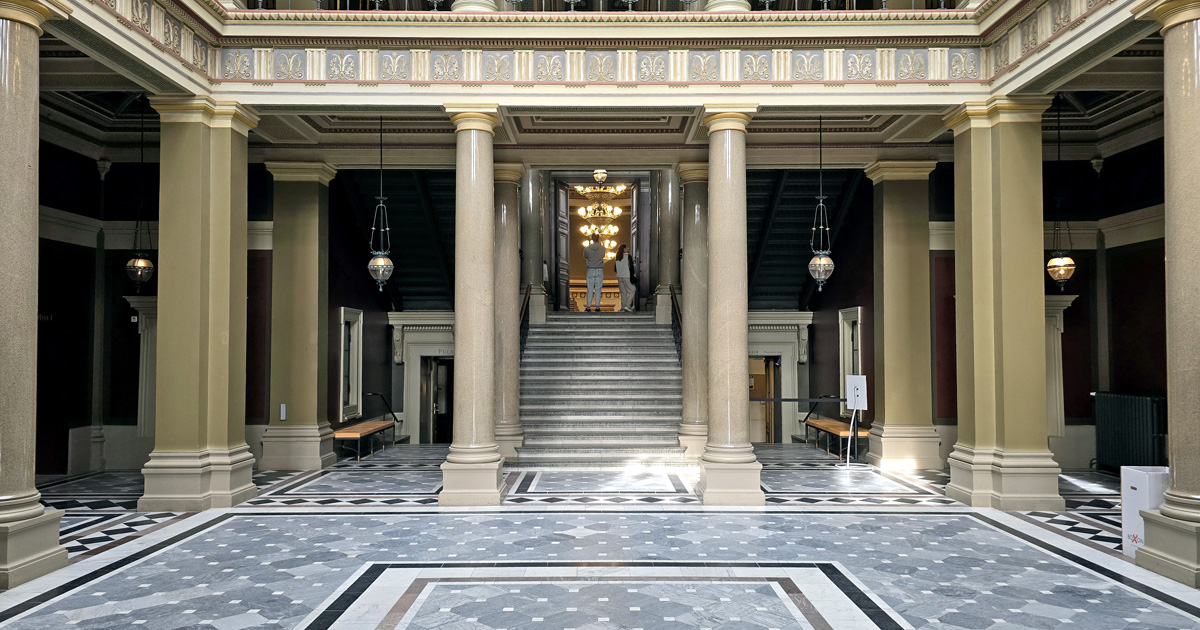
(595, 5)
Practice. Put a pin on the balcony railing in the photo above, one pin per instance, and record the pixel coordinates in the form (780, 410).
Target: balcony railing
(596, 5)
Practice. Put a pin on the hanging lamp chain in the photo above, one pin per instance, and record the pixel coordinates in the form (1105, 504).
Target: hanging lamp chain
(820, 241)
(379, 223)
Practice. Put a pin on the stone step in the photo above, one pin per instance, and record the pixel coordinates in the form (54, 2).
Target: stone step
(588, 441)
(601, 397)
(590, 354)
(625, 453)
(667, 463)
(611, 378)
(601, 360)
(672, 389)
(634, 417)
(599, 427)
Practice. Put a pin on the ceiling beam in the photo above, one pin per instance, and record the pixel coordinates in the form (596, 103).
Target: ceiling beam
(849, 192)
(764, 234)
(427, 209)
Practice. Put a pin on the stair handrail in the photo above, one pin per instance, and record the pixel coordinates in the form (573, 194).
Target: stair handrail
(676, 322)
(525, 317)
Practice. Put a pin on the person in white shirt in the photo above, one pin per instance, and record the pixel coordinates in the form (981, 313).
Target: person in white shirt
(624, 266)
(594, 255)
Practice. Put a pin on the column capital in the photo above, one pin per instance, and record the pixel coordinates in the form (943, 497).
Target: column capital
(508, 172)
(728, 116)
(893, 170)
(302, 172)
(996, 110)
(693, 172)
(1168, 12)
(206, 111)
(33, 12)
(473, 116)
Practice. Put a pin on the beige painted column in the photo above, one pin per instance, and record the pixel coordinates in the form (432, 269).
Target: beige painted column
(200, 458)
(298, 436)
(1056, 413)
(668, 245)
(509, 294)
(1173, 531)
(471, 472)
(28, 531)
(729, 471)
(1001, 459)
(902, 436)
(693, 429)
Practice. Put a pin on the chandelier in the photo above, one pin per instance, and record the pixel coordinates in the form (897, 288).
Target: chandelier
(820, 267)
(1061, 266)
(609, 244)
(140, 268)
(380, 266)
(602, 230)
(600, 194)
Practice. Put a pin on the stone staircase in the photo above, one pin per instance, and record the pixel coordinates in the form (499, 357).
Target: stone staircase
(600, 389)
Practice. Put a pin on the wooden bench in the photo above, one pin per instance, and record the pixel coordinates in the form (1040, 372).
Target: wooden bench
(364, 431)
(832, 428)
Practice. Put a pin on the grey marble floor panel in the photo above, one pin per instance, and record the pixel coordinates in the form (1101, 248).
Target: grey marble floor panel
(956, 569)
(833, 480)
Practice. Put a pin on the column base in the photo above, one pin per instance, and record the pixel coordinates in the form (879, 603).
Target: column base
(297, 447)
(539, 303)
(1172, 548)
(730, 484)
(472, 484)
(96, 458)
(905, 447)
(693, 443)
(197, 480)
(662, 305)
(1005, 481)
(29, 549)
(508, 444)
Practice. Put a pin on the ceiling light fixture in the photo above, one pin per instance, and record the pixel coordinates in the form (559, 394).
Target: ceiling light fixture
(381, 266)
(1061, 266)
(820, 267)
(140, 268)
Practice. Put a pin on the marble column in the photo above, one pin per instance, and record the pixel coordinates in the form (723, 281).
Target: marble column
(200, 458)
(1001, 459)
(902, 436)
(509, 294)
(693, 429)
(471, 472)
(729, 471)
(28, 531)
(1056, 414)
(533, 206)
(298, 436)
(668, 245)
(1173, 531)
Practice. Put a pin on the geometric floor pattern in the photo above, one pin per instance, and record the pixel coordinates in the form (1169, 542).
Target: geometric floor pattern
(364, 544)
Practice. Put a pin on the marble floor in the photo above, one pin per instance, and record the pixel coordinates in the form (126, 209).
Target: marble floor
(364, 545)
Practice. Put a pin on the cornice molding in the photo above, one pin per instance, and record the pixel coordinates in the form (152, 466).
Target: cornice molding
(34, 13)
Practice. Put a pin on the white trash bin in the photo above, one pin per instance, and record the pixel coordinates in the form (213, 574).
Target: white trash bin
(1142, 488)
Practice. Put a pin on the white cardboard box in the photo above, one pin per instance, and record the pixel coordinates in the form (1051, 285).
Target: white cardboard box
(1142, 488)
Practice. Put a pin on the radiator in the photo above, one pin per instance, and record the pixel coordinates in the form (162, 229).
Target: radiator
(1131, 430)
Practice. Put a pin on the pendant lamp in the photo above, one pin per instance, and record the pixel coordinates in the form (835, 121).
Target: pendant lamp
(820, 267)
(381, 266)
(1061, 266)
(140, 268)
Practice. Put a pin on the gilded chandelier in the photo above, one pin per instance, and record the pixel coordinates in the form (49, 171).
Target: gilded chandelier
(600, 194)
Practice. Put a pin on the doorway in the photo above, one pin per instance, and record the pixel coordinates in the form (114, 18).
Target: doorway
(569, 271)
(766, 416)
(437, 400)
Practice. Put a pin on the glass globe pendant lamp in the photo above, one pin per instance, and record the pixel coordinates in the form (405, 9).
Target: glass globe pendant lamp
(1060, 266)
(380, 266)
(140, 268)
(820, 266)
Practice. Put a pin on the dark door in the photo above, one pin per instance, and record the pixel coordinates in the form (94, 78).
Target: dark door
(443, 401)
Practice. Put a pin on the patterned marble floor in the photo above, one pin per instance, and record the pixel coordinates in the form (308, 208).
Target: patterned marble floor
(678, 568)
(363, 545)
